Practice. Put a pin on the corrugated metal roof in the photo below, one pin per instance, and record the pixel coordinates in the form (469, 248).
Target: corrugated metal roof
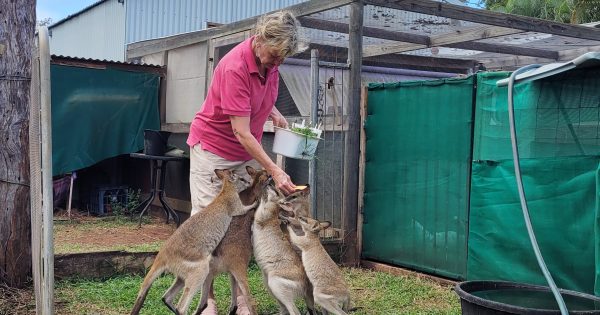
(94, 63)
(147, 19)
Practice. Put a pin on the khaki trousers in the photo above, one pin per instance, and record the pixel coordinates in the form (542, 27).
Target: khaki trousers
(204, 184)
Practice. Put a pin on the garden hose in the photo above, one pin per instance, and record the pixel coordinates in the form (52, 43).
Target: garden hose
(515, 151)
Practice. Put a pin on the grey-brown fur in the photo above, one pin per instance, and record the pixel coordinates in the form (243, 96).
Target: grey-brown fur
(330, 290)
(281, 266)
(235, 250)
(186, 254)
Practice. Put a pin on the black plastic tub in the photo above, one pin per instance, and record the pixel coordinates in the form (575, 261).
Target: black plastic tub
(155, 142)
(501, 297)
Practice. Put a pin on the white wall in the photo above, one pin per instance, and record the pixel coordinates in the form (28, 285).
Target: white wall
(98, 33)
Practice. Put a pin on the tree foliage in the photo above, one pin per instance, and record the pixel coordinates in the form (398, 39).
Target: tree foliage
(565, 11)
(44, 22)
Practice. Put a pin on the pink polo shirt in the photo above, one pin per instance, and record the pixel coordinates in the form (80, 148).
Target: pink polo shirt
(236, 89)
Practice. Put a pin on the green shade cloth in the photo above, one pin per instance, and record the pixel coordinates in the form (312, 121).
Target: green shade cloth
(424, 192)
(561, 195)
(557, 116)
(99, 113)
(416, 175)
(557, 130)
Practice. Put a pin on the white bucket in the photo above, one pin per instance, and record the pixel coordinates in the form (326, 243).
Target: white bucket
(294, 145)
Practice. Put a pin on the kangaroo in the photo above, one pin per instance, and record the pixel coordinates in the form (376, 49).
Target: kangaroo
(330, 290)
(187, 253)
(235, 250)
(281, 266)
(299, 201)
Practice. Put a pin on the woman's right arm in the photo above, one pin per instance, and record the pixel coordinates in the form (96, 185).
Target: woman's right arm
(241, 130)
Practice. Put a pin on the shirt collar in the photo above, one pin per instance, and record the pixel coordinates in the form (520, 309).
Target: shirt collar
(249, 56)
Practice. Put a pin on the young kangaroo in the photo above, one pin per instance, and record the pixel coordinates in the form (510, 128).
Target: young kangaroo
(235, 250)
(330, 291)
(281, 266)
(299, 201)
(187, 253)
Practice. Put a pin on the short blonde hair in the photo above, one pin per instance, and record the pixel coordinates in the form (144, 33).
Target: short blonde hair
(281, 31)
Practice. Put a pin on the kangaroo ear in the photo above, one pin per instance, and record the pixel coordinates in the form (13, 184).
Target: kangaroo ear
(221, 173)
(287, 211)
(325, 224)
(251, 171)
(287, 207)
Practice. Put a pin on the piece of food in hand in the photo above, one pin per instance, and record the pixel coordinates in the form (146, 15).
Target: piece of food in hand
(301, 187)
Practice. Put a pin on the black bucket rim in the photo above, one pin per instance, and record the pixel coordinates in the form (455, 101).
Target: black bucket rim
(160, 132)
(483, 285)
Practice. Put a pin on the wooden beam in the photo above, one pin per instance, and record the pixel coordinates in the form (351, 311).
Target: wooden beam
(506, 49)
(423, 62)
(465, 13)
(367, 31)
(462, 38)
(176, 127)
(424, 67)
(454, 39)
(462, 35)
(513, 62)
(102, 264)
(332, 53)
(398, 271)
(574, 53)
(147, 47)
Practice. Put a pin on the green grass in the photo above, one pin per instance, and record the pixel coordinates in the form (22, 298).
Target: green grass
(372, 292)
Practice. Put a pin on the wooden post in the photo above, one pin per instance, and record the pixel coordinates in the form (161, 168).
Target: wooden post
(361, 167)
(70, 195)
(16, 38)
(162, 94)
(351, 148)
(314, 107)
(47, 257)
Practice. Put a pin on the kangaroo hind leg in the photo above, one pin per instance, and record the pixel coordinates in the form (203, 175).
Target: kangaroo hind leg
(285, 292)
(241, 283)
(330, 303)
(193, 282)
(168, 297)
(206, 288)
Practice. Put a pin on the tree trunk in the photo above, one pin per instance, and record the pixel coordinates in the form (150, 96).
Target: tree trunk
(17, 26)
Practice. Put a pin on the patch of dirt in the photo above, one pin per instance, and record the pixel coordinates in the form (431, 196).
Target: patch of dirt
(109, 234)
(17, 301)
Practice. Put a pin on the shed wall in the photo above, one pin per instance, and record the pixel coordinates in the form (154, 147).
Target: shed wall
(98, 33)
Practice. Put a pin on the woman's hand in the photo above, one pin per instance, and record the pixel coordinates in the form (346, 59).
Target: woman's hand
(278, 119)
(283, 182)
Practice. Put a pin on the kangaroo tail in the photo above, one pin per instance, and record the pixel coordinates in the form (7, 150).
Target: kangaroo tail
(155, 271)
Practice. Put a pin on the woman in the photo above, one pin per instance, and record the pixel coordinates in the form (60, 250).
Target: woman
(227, 131)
